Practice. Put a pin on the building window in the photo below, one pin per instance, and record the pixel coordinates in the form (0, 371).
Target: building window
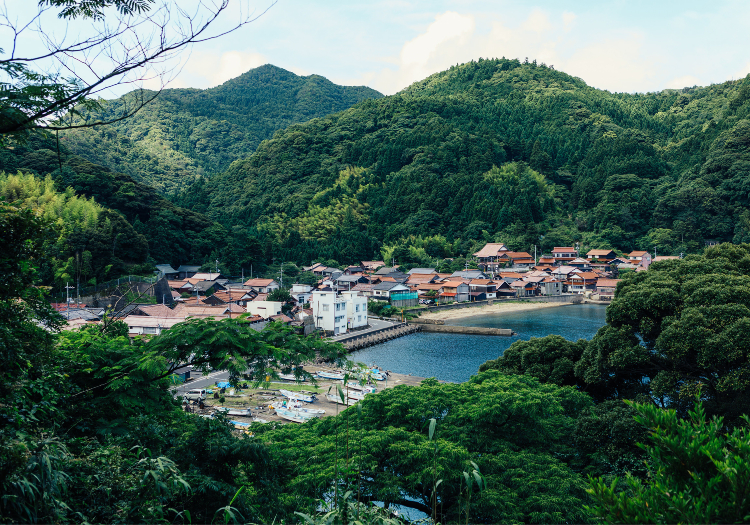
(325, 307)
(149, 330)
(356, 308)
(359, 318)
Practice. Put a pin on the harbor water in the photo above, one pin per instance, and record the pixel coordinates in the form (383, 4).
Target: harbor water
(456, 357)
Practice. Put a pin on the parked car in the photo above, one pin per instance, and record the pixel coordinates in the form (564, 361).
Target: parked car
(197, 394)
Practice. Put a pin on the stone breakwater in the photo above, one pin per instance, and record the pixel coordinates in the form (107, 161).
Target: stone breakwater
(357, 342)
(466, 330)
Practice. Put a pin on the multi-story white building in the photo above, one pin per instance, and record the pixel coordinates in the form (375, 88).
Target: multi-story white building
(265, 309)
(339, 313)
(356, 309)
(329, 312)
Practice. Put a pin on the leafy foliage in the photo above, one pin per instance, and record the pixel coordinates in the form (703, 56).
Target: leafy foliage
(698, 473)
(673, 331)
(511, 427)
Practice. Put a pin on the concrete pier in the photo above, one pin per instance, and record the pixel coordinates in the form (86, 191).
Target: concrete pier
(356, 342)
(466, 330)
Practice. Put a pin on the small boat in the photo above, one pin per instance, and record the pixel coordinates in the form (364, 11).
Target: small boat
(353, 385)
(288, 377)
(235, 411)
(305, 410)
(298, 396)
(295, 416)
(377, 374)
(240, 425)
(330, 375)
(350, 400)
(259, 420)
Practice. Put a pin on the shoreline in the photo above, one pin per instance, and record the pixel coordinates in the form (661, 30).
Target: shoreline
(495, 308)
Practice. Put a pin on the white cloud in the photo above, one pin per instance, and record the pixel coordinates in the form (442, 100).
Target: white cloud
(617, 64)
(568, 20)
(430, 52)
(446, 27)
(684, 81)
(618, 61)
(538, 22)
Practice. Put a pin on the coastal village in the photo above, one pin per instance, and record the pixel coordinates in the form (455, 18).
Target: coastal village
(338, 303)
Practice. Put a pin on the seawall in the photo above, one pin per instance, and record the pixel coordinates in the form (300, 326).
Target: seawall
(466, 330)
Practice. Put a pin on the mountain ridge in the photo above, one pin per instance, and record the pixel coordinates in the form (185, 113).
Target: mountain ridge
(189, 133)
(620, 170)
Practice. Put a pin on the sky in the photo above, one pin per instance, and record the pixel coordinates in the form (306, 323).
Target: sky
(633, 46)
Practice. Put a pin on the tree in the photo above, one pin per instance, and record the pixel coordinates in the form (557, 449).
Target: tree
(515, 429)
(127, 42)
(698, 473)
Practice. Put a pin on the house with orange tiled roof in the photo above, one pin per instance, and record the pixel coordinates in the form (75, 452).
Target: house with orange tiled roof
(563, 254)
(481, 289)
(581, 281)
(607, 287)
(601, 255)
(488, 258)
(262, 285)
(454, 291)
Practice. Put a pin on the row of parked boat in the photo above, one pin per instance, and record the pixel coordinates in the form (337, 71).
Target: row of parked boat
(373, 373)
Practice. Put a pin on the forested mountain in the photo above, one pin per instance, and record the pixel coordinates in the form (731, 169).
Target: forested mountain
(188, 133)
(497, 149)
(107, 223)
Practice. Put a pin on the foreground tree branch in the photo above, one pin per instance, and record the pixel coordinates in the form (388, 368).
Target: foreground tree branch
(137, 42)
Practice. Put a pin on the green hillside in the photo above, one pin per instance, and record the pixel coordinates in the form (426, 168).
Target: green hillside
(497, 149)
(188, 133)
(125, 226)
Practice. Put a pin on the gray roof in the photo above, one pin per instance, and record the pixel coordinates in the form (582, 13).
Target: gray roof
(165, 268)
(349, 278)
(188, 268)
(385, 270)
(425, 271)
(202, 286)
(385, 286)
(83, 313)
(469, 274)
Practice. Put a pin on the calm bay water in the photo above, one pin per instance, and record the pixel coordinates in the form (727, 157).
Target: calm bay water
(454, 357)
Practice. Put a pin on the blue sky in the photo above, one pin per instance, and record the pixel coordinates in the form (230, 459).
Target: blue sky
(387, 44)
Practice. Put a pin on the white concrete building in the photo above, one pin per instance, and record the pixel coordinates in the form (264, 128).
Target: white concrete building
(329, 312)
(265, 309)
(356, 309)
(302, 293)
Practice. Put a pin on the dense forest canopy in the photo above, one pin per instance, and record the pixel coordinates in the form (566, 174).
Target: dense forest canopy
(186, 134)
(128, 225)
(499, 150)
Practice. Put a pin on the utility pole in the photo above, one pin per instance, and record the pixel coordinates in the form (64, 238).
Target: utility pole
(217, 265)
(67, 300)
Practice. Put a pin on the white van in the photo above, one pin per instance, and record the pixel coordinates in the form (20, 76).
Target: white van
(195, 395)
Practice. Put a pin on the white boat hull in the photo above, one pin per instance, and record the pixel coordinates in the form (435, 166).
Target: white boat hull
(337, 399)
(293, 415)
(297, 396)
(353, 385)
(331, 375)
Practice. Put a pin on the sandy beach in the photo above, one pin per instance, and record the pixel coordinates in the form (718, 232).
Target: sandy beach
(497, 308)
